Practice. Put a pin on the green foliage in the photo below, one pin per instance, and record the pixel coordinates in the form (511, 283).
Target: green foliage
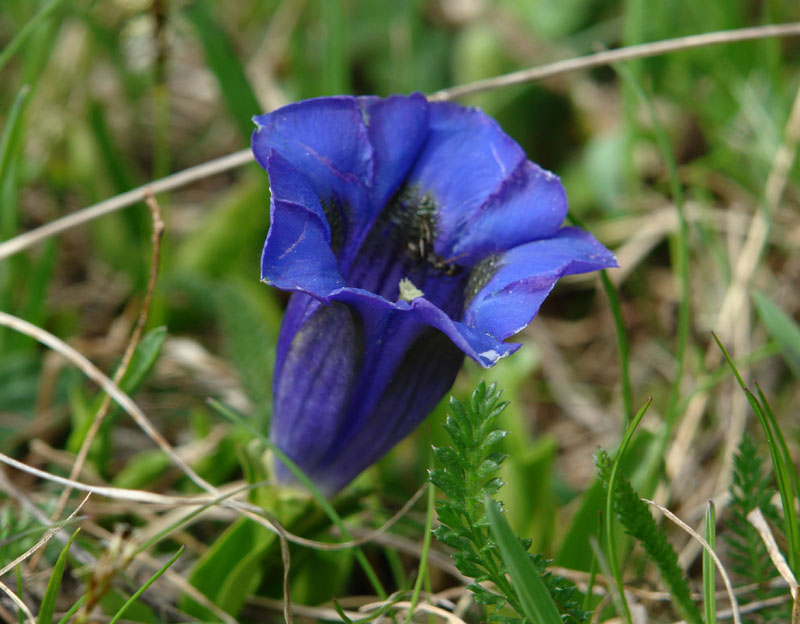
(783, 328)
(225, 64)
(635, 517)
(536, 602)
(786, 476)
(751, 488)
(709, 571)
(48, 605)
(467, 478)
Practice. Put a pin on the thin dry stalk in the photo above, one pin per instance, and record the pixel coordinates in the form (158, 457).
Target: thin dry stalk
(756, 518)
(243, 157)
(737, 618)
(608, 57)
(43, 540)
(96, 375)
(405, 604)
(29, 506)
(734, 320)
(253, 512)
(138, 496)
(18, 601)
(136, 336)
(317, 613)
(123, 200)
(758, 230)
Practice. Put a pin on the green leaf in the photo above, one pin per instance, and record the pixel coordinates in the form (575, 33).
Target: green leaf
(457, 430)
(533, 595)
(51, 593)
(709, 571)
(452, 487)
(782, 328)
(144, 587)
(22, 35)
(493, 438)
(12, 130)
(225, 65)
(448, 457)
(142, 469)
(484, 596)
(143, 360)
(231, 568)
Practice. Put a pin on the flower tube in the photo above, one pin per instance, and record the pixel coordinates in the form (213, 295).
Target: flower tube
(410, 234)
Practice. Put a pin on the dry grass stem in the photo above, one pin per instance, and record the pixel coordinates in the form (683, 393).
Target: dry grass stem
(18, 601)
(141, 321)
(96, 375)
(43, 540)
(608, 57)
(758, 230)
(757, 519)
(405, 604)
(243, 157)
(320, 613)
(29, 506)
(123, 200)
(723, 573)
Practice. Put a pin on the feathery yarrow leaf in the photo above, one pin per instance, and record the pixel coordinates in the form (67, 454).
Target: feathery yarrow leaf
(638, 522)
(466, 475)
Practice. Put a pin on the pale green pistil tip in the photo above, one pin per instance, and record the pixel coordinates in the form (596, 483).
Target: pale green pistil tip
(409, 292)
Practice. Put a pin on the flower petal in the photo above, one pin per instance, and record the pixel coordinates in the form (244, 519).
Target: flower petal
(476, 343)
(425, 373)
(529, 205)
(465, 160)
(297, 254)
(507, 296)
(326, 140)
(355, 376)
(397, 127)
(321, 361)
(352, 152)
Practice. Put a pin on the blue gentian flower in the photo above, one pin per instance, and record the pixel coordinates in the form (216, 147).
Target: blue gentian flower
(410, 233)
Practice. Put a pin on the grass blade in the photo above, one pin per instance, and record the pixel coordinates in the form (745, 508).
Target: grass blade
(226, 66)
(782, 328)
(785, 474)
(709, 571)
(531, 590)
(51, 593)
(612, 482)
(788, 483)
(147, 584)
(16, 43)
(11, 131)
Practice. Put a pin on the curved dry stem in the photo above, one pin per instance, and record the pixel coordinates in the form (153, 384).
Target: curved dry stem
(18, 601)
(242, 157)
(43, 540)
(405, 604)
(128, 198)
(253, 512)
(737, 618)
(136, 336)
(758, 231)
(608, 57)
(96, 375)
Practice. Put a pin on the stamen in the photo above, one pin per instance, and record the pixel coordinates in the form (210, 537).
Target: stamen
(409, 292)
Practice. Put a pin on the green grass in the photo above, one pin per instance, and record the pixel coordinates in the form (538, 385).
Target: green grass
(665, 159)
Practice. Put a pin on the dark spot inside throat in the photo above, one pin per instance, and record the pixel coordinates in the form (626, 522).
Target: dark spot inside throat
(409, 219)
(479, 276)
(337, 221)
